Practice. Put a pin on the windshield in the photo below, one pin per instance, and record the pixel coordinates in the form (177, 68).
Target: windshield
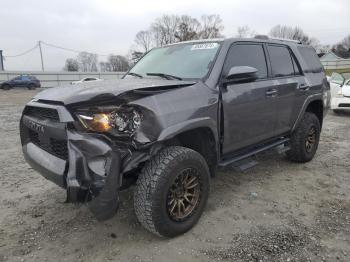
(190, 60)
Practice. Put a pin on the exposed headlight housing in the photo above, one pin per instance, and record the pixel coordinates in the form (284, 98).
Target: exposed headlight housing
(122, 120)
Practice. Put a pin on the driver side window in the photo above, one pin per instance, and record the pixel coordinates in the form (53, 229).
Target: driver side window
(252, 55)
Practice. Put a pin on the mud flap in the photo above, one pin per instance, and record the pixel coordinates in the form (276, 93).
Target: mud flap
(100, 192)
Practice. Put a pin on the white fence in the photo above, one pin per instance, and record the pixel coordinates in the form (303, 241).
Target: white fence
(52, 79)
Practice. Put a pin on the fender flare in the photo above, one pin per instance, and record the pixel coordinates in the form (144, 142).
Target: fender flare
(308, 100)
(203, 122)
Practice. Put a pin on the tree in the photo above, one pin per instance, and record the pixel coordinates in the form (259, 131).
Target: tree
(211, 27)
(71, 65)
(105, 67)
(343, 45)
(245, 31)
(118, 63)
(164, 29)
(187, 29)
(170, 29)
(87, 62)
(145, 40)
(296, 33)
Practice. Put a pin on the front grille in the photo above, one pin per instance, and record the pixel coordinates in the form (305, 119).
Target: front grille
(59, 148)
(53, 146)
(42, 113)
(344, 105)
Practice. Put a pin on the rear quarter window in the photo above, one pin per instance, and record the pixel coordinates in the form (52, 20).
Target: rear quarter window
(311, 59)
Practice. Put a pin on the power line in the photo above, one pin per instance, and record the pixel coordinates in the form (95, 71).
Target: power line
(24, 53)
(70, 50)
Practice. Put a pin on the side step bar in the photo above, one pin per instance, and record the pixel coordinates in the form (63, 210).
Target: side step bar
(235, 159)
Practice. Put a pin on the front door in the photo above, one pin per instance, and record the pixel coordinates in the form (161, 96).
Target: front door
(249, 108)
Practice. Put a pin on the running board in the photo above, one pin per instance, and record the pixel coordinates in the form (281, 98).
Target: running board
(244, 164)
(235, 159)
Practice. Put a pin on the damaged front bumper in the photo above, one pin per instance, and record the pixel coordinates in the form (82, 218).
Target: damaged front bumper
(88, 166)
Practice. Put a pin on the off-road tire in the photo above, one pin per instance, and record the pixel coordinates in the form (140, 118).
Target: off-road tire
(31, 87)
(6, 87)
(152, 187)
(298, 152)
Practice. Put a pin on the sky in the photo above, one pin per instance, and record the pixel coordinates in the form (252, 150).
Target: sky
(110, 26)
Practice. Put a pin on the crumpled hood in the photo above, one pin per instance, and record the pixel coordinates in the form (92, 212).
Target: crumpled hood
(70, 94)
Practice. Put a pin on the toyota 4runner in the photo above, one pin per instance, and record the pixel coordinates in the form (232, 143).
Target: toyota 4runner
(180, 113)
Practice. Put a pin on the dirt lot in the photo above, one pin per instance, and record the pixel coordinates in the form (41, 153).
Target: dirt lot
(276, 211)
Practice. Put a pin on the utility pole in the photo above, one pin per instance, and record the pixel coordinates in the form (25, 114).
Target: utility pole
(1, 62)
(41, 56)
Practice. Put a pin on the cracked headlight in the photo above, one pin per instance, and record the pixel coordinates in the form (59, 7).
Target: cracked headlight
(122, 120)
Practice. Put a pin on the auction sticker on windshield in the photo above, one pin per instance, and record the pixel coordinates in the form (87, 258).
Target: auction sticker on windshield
(204, 46)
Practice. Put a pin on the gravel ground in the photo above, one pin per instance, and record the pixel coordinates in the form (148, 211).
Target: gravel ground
(275, 211)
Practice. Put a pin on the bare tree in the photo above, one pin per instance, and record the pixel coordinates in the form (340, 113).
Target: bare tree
(118, 63)
(71, 65)
(245, 31)
(294, 33)
(87, 62)
(164, 29)
(343, 45)
(188, 28)
(105, 67)
(144, 40)
(173, 28)
(211, 27)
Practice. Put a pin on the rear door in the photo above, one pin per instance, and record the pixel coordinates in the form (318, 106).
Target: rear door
(17, 81)
(287, 77)
(249, 109)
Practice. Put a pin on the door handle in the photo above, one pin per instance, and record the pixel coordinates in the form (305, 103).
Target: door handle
(304, 87)
(271, 93)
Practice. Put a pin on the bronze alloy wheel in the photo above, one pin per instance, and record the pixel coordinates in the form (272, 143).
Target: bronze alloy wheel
(311, 139)
(184, 195)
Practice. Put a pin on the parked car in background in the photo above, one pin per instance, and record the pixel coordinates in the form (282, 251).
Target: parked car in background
(28, 81)
(340, 92)
(86, 79)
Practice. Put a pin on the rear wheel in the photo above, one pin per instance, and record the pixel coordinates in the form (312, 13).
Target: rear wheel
(305, 139)
(31, 86)
(171, 191)
(6, 87)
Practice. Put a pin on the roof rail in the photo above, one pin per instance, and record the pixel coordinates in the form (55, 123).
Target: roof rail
(265, 37)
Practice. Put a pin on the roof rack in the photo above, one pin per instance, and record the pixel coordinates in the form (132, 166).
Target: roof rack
(265, 37)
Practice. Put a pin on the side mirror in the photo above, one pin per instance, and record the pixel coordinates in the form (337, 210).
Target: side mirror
(241, 74)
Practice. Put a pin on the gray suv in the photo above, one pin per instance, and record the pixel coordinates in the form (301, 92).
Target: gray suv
(180, 113)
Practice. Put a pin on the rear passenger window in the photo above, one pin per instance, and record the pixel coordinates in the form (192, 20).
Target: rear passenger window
(247, 55)
(281, 61)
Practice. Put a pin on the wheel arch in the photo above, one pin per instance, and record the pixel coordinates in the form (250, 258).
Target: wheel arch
(199, 135)
(313, 104)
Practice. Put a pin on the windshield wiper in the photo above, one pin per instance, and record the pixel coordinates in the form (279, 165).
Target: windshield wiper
(135, 74)
(166, 76)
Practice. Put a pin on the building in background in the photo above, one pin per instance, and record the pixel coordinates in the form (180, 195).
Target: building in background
(336, 61)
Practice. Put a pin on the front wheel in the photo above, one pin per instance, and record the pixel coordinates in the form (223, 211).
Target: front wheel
(171, 191)
(31, 87)
(305, 139)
